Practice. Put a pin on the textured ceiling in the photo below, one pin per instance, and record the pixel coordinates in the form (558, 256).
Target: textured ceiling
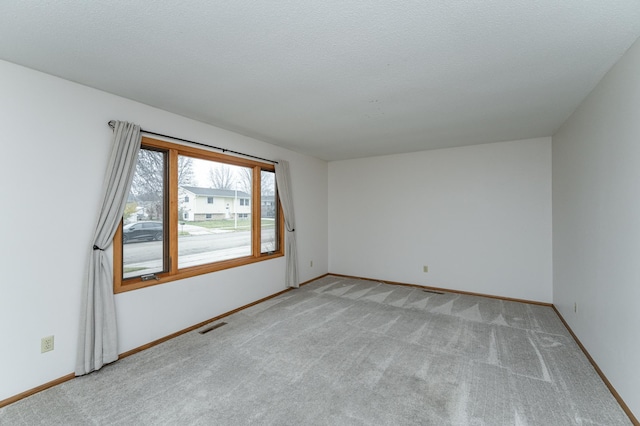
(335, 79)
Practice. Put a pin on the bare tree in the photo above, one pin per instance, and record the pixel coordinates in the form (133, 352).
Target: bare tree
(267, 181)
(185, 170)
(221, 177)
(148, 183)
(148, 178)
(245, 178)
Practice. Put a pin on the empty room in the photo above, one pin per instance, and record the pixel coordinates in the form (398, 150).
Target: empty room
(352, 213)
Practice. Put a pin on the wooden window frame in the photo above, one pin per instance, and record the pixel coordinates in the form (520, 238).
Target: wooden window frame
(174, 150)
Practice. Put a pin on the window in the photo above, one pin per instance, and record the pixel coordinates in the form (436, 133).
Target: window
(143, 244)
(168, 235)
(269, 214)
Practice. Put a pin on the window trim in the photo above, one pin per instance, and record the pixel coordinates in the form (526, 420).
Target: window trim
(173, 150)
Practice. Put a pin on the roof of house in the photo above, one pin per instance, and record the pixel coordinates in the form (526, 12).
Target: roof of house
(214, 192)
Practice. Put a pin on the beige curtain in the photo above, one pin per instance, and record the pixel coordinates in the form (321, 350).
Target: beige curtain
(283, 181)
(98, 337)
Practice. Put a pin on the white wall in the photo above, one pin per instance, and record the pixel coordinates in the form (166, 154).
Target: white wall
(479, 217)
(55, 143)
(596, 221)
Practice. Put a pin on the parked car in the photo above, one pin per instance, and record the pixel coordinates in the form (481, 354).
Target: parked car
(142, 231)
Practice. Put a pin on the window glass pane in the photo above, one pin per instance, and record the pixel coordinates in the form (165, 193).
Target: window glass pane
(268, 206)
(216, 225)
(144, 215)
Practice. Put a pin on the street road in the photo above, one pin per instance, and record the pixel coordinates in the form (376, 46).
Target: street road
(190, 245)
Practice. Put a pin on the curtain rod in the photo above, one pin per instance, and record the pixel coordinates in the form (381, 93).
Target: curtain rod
(112, 125)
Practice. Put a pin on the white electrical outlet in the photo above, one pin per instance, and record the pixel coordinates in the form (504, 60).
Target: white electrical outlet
(46, 344)
(425, 268)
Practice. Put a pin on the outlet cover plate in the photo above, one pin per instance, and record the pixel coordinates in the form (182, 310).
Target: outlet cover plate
(46, 344)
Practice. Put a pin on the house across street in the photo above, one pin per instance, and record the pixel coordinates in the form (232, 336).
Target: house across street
(198, 204)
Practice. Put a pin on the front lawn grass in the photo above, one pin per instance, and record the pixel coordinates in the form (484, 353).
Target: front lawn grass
(243, 224)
